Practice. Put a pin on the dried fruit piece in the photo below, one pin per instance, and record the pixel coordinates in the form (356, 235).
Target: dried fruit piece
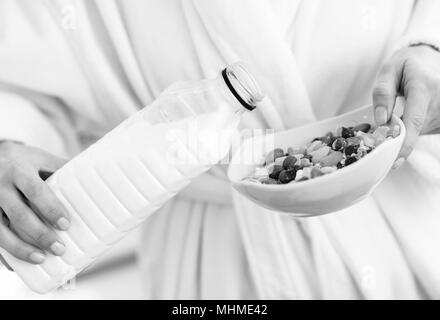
(339, 144)
(299, 175)
(290, 162)
(347, 132)
(379, 140)
(364, 127)
(287, 175)
(349, 150)
(273, 155)
(382, 131)
(361, 152)
(354, 141)
(320, 153)
(396, 131)
(274, 171)
(314, 146)
(350, 160)
(368, 139)
(328, 139)
(380, 134)
(307, 172)
(279, 161)
(339, 132)
(299, 157)
(331, 160)
(327, 170)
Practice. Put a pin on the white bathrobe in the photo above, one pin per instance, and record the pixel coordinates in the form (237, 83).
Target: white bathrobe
(72, 70)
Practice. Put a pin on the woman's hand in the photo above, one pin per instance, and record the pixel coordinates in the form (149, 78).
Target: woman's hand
(29, 209)
(414, 73)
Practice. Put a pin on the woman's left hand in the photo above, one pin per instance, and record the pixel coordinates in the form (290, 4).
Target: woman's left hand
(414, 73)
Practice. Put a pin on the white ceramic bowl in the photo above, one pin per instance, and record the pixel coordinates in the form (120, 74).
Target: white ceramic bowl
(325, 194)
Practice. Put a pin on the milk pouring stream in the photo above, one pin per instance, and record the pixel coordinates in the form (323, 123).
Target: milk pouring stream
(115, 184)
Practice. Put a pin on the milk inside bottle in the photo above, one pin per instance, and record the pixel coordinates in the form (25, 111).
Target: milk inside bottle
(115, 184)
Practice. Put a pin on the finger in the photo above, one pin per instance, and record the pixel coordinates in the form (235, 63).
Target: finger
(5, 221)
(3, 262)
(18, 248)
(38, 193)
(22, 218)
(385, 91)
(47, 161)
(417, 103)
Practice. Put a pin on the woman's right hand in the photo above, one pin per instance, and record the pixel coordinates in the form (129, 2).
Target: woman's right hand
(28, 207)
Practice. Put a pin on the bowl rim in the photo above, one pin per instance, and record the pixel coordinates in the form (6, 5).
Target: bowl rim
(321, 179)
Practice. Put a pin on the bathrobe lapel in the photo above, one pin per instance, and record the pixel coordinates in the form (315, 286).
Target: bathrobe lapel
(222, 35)
(257, 38)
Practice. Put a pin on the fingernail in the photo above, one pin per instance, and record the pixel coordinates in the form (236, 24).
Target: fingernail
(57, 248)
(37, 257)
(398, 163)
(381, 115)
(63, 223)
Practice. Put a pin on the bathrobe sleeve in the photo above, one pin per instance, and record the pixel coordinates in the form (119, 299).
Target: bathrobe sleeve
(38, 82)
(424, 26)
(21, 120)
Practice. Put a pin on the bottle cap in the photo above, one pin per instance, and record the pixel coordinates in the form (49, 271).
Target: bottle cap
(243, 85)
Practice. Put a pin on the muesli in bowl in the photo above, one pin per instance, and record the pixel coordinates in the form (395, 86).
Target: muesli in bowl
(323, 155)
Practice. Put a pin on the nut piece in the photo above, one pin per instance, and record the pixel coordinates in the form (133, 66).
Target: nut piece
(316, 173)
(327, 170)
(319, 154)
(332, 159)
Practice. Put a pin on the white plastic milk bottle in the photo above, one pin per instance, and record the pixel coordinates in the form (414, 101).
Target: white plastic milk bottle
(118, 182)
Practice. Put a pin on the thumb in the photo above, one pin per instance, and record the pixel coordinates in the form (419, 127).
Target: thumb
(4, 220)
(385, 91)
